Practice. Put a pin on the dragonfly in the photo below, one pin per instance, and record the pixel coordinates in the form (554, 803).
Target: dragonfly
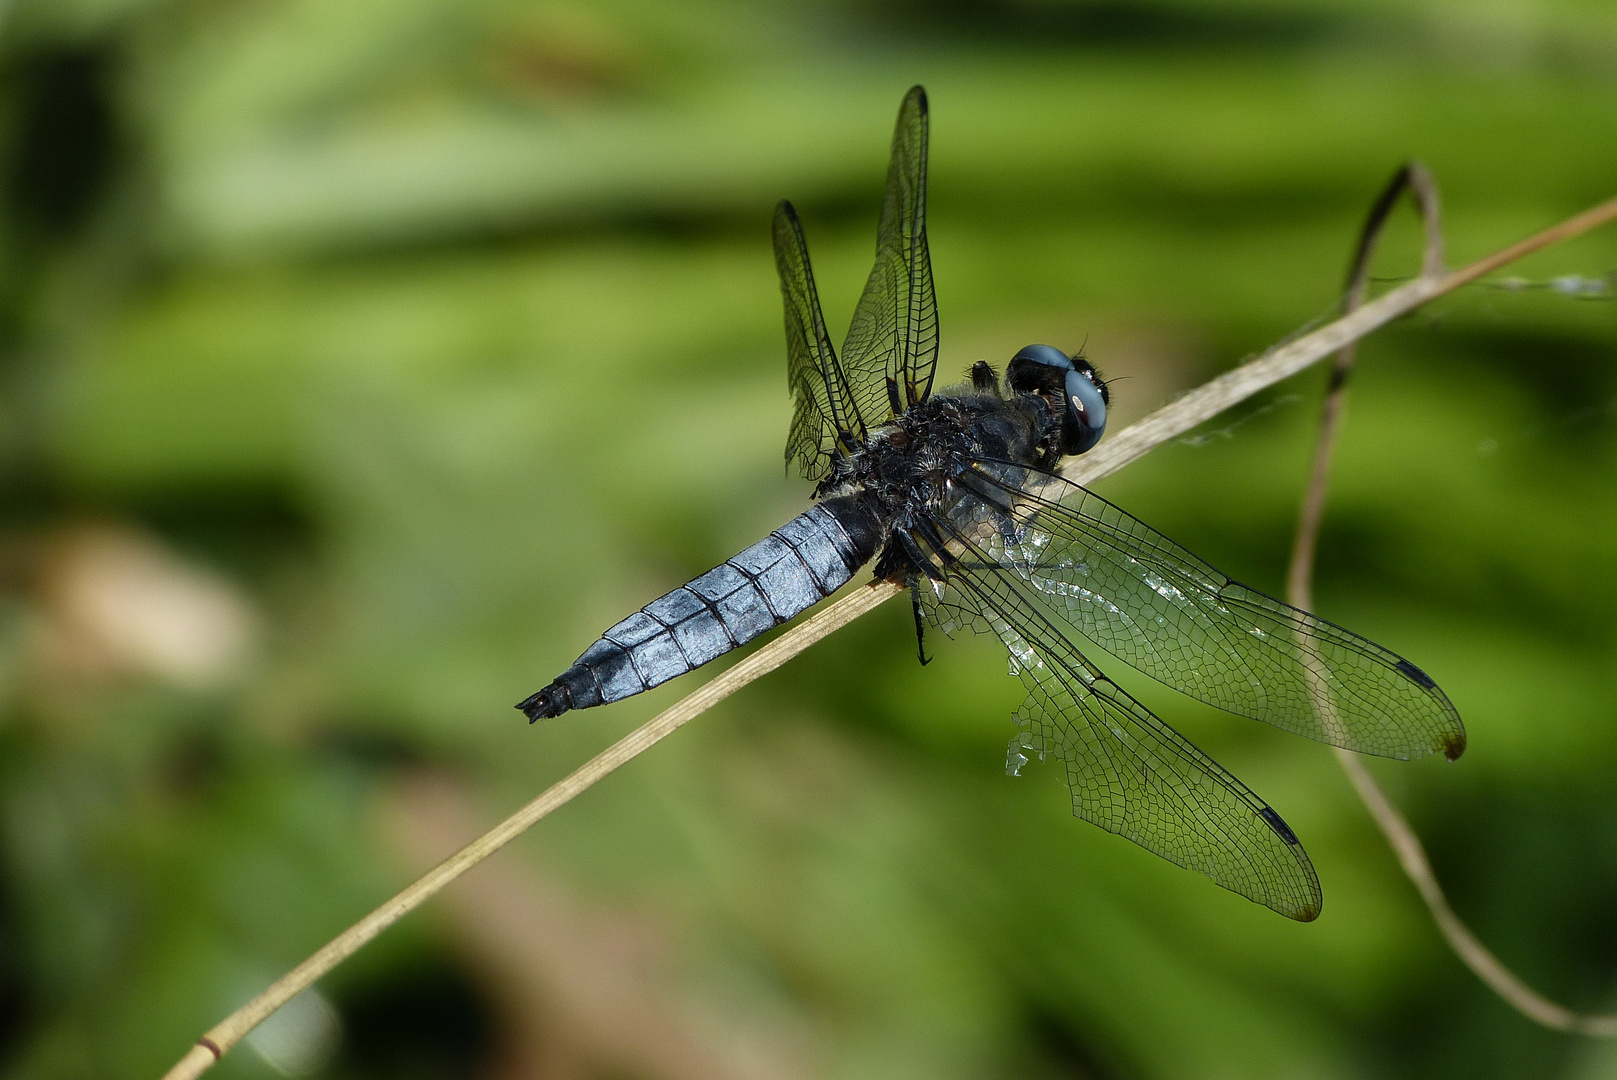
(957, 494)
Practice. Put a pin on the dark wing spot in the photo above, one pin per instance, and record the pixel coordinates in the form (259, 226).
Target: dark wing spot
(1278, 825)
(1416, 675)
(1453, 742)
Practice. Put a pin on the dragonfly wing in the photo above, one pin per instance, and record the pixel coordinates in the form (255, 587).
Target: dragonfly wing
(891, 351)
(1162, 610)
(1128, 772)
(823, 406)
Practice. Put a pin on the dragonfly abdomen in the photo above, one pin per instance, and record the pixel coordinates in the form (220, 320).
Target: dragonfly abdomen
(776, 579)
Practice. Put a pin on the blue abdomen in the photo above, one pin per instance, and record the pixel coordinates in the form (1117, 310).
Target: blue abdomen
(776, 579)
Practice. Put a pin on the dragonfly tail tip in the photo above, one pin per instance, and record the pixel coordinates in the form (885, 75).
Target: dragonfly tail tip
(552, 701)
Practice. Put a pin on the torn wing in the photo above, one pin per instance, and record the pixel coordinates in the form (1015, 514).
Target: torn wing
(824, 415)
(891, 351)
(1128, 772)
(1162, 610)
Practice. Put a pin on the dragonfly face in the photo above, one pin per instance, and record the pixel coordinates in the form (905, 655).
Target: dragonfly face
(1072, 387)
(956, 495)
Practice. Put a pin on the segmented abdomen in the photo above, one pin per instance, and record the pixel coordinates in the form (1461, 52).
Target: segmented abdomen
(790, 570)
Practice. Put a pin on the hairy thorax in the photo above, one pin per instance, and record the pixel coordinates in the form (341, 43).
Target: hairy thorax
(906, 471)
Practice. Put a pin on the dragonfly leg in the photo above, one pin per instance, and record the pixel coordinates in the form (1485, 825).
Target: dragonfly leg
(920, 627)
(928, 532)
(916, 556)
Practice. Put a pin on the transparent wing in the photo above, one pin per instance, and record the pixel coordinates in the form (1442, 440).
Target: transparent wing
(1160, 609)
(891, 351)
(1129, 772)
(823, 406)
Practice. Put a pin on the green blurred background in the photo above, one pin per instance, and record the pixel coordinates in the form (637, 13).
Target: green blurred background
(360, 360)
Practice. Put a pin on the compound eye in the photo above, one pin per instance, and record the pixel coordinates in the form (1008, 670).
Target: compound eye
(1048, 355)
(1046, 370)
(1038, 369)
(1086, 412)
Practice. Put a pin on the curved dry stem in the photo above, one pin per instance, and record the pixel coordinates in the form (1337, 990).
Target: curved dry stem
(1299, 591)
(233, 1028)
(1171, 420)
(1500, 979)
(1415, 179)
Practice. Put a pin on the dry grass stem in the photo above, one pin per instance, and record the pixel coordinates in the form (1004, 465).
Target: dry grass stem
(233, 1028)
(1412, 857)
(1299, 591)
(1413, 178)
(1171, 420)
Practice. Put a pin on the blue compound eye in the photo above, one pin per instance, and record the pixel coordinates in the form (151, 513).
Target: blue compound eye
(1046, 355)
(1046, 370)
(1086, 411)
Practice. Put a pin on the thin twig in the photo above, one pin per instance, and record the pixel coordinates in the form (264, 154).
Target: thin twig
(1299, 591)
(1213, 397)
(1414, 178)
(1500, 979)
(233, 1028)
(1171, 420)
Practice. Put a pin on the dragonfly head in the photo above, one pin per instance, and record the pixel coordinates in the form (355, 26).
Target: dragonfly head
(1067, 381)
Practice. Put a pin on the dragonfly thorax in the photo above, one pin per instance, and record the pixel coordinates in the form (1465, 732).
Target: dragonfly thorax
(909, 462)
(907, 471)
